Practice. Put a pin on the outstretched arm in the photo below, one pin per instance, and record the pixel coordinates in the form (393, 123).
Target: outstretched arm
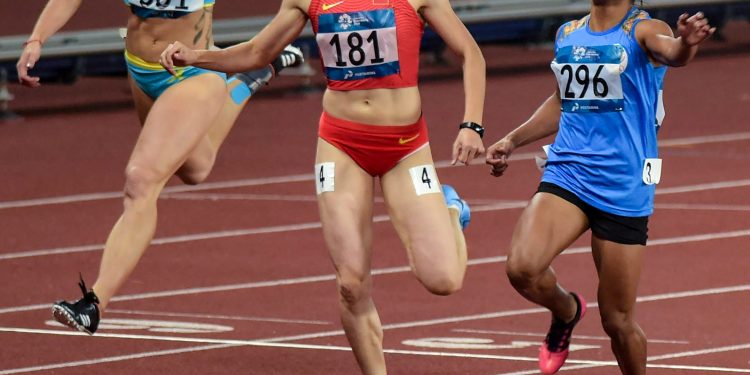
(543, 123)
(657, 38)
(440, 16)
(253, 54)
(54, 16)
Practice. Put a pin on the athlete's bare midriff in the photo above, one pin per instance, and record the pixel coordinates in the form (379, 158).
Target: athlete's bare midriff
(375, 107)
(147, 38)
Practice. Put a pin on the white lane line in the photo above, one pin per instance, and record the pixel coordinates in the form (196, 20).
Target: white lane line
(694, 353)
(499, 205)
(170, 189)
(701, 207)
(224, 343)
(381, 271)
(532, 334)
(718, 138)
(730, 137)
(113, 359)
(218, 317)
(509, 313)
(703, 187)
(703, 369)
(240, 197)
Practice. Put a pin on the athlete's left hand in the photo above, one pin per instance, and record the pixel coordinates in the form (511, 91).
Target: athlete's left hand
(695, 29)
(177, 54)
(467, 147)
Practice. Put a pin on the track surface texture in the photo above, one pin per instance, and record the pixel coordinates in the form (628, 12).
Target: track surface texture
(238, 280)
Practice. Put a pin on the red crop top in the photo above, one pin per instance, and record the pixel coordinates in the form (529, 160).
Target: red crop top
(367, 44)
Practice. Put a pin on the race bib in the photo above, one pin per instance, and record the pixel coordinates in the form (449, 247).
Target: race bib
(589, 78)
(651, 171)
(170, 5)
(358, 45)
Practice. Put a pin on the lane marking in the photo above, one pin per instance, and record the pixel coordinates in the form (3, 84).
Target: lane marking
(532, 334)
(375, 272)
(703, 187)
(694, 353)
(224, 343)
(118, 358)
(700, 206)
(214, 316)
(502, 205)
(498, 205)
(717, 138)
(648, 365)
(529, 311)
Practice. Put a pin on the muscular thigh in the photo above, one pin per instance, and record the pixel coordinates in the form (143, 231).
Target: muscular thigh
(619, 270)
(417, 209)
(547, 226)
(177, 121)
(345, 204)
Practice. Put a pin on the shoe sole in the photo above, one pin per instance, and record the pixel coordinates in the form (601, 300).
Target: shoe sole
(64, 317)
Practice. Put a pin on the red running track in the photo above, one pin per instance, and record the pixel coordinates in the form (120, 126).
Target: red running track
(239, 282)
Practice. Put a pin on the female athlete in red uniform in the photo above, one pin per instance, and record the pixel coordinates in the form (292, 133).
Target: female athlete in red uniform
(372, 126)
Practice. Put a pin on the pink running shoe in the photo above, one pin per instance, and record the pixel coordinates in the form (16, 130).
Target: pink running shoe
(554, 350)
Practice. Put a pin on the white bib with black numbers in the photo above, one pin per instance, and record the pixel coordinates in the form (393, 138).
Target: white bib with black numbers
(358, 45)
(589, 77)
(171, 5)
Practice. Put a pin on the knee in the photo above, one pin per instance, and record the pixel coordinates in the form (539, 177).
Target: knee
(440, 275)
(443, 284)
(617, 323)
(522, 271)
(354, 287)
(197, 168)
(141, 184)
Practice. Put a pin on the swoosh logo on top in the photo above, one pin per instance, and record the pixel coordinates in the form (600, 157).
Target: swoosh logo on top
(329, 6)
(403, 141)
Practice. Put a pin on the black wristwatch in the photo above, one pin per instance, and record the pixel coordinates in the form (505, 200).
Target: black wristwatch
(473, 126)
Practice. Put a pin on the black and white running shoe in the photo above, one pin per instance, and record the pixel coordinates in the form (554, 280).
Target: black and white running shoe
(82, 315)
(290, 57)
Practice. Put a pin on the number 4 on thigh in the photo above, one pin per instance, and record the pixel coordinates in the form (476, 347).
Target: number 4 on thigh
(324, 177)
(424, 179)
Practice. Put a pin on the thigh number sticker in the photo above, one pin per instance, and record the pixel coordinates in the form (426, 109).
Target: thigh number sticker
(425, 179)
(651, 171)
(324, 177)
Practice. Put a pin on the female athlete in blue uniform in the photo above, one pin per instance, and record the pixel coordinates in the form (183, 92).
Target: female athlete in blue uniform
(185, 118)
(601, 171)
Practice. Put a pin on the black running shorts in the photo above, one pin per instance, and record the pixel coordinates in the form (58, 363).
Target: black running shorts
(619, 229)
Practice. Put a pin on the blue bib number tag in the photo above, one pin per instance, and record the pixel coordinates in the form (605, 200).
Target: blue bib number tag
(358, 45)
(589, 78)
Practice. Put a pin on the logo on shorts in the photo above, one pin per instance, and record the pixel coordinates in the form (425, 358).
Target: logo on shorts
(329, 6)
(403, 141)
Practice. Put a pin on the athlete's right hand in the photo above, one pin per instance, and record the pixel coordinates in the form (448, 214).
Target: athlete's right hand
(177, 54)
(30, 55)
(497, 156)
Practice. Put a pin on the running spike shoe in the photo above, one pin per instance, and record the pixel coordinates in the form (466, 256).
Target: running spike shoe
(554, 350)
(82, 315)
(290, 57)
(453, 200)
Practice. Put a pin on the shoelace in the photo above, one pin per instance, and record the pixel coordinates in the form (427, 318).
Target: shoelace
(88, 296)
(558, 337)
